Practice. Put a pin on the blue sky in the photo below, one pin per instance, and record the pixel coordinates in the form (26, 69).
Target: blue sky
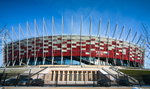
(128, 13)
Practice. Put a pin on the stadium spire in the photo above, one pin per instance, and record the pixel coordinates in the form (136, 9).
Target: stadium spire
(52, 40)
(62, 40)
(121, 32)
(81, 39)
(116, 27)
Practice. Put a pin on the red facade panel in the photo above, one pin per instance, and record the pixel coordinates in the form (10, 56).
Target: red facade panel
(113, 50)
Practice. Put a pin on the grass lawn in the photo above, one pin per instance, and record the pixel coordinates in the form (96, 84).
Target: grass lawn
(12, 70)
(135, 72)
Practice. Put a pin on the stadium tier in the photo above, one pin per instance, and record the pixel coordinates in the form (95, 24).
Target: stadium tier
(73, 50)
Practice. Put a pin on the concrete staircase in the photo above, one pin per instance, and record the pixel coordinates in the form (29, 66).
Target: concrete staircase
(114, 71)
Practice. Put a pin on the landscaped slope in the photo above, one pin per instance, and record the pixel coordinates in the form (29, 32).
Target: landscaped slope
(143, 76)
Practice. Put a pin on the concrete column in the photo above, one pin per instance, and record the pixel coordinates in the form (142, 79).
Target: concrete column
(49, 76)
(54, 75)
(91, 75)
(86, 76)
(77, 75)
(58, 75)
(72, 75)
(63, 77)
(81, 75)
(95, 76)
(68, 76)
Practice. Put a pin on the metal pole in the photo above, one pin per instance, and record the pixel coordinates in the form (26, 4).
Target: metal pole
(116, 27)
(7, 52)
(90, 37)
(27, 56)
(128, 34)
(52, 40)
(108, 27)
(43, 41)
(35, 57)
(71, 39)
(121, 32)
(6, 43)
(22, 32)
(62, 40)
(18, 46)
(142, 56)
(135, 56)
(139, 39)
(81, 40)
(20, 43)
(12, 50)
(11, 47)
(146, 32)
(99, 28)
(129, 48)
(46, 37)
(36, 31)
(20, 60)
(134, 37)
(135, 49)
(140, 51)
(3, 51)
(122, 63)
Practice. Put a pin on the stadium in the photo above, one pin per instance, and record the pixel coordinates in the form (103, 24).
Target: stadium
(73, 50)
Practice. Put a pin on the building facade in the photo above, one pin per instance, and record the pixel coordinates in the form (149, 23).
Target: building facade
(73, 50)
